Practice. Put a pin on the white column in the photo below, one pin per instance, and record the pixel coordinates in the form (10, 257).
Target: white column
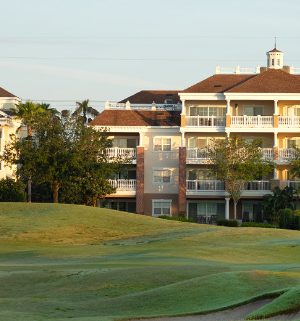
(127, 105)
(183, 110)
(107, 105)
(227, 199)
(228, 107)
(182, 139)
(275, 107)
(275, 173)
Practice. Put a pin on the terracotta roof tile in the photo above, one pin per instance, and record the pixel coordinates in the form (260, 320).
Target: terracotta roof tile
(5, 93)
(218, 83)
(150, 96)
(269, 81)
(137, 118)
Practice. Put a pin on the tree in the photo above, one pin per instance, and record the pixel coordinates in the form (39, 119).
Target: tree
(64, 152)
(11, 191)
(235, 162)
(84, 109)
(27, 113)
(278, 200)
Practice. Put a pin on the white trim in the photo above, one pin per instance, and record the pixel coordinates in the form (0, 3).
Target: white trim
(162, 200)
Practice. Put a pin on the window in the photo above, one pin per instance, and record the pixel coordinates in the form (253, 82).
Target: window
(278, 62)
(162, 144)
(273, 62)
(161, 207)
(162, 176)
(253, 110)
(203, 210)
(293, 142)
(208, 111)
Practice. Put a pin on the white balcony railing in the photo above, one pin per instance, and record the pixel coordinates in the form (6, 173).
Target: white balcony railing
(257, 186)
(204, 185)
(294, 184)
(123, 185)
(216, 185)
(289, 121)
(117, 152)
(197, 155)
(268, 154)
(252, 121)
(122, 106)
(285, 155)
(205, 121)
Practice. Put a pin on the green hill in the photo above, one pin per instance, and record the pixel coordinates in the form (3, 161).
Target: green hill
(62, 262)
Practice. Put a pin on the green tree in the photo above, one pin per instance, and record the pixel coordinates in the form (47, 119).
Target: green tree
(84, 110)
(63, 151)
(235, 162)
(27, 112)
(278, 200)
(11, 190)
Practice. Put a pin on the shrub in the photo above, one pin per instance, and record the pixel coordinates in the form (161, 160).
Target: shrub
(289, 219)
(231, 223)
(255, 224)
(11, 191)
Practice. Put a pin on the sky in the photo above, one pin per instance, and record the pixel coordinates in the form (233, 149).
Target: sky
(63, 51)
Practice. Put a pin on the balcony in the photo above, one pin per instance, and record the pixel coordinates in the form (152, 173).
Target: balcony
(285, 155)
(128, 155)
(294, 184)
(289, 121)
(205, 121)
(197, 156)
(217, 188)
(252, 121)
(123, 186)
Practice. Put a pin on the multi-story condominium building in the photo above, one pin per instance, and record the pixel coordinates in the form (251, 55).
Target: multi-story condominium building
(8, 125)
(166, 133)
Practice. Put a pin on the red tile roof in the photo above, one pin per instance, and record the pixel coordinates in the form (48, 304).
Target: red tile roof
(269, 81)
(150, 96)
(5, 93)
(275, 50)
(137, 118)
(217, 83)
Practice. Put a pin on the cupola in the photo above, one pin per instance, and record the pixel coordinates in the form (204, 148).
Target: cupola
(275, 59)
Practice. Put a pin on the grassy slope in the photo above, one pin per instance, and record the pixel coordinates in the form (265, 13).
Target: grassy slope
(60, 261)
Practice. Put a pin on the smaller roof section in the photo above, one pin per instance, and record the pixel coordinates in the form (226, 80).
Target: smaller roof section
(137, 118)
(4, 93)
(157, 96)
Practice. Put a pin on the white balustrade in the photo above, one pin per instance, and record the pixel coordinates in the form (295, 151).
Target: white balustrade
(294, 184)
(205, 121)
(198, 155)
(123, 184)
(267, 154)
(257, 186)
(289, 121)
(252, 121)
(204, 185)
(117, 152)
(120, 106)
(286, 155)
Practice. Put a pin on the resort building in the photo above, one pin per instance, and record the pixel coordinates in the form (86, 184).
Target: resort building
(8, 125)
(166, 134)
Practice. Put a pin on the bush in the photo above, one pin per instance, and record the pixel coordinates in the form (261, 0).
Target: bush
(11, 191)
(255, 224)
(175, 218)
(289, 219)
(231, 223)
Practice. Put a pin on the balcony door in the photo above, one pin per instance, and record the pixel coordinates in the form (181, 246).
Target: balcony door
(294, 111)
(124, 142)
(253, 110)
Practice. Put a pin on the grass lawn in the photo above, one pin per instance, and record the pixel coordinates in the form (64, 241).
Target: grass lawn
(62, 262)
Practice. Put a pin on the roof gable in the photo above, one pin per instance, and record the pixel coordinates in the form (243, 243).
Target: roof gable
(5, 93)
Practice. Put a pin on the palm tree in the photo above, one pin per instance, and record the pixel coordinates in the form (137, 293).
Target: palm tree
(52, 111)
(27, 112)
(82, 108)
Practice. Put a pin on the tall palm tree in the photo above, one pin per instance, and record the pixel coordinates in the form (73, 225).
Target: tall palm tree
(82, 108)
(52, 111)
(26, 112)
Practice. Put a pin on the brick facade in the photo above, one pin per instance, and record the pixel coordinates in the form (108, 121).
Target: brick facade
(182, 181)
